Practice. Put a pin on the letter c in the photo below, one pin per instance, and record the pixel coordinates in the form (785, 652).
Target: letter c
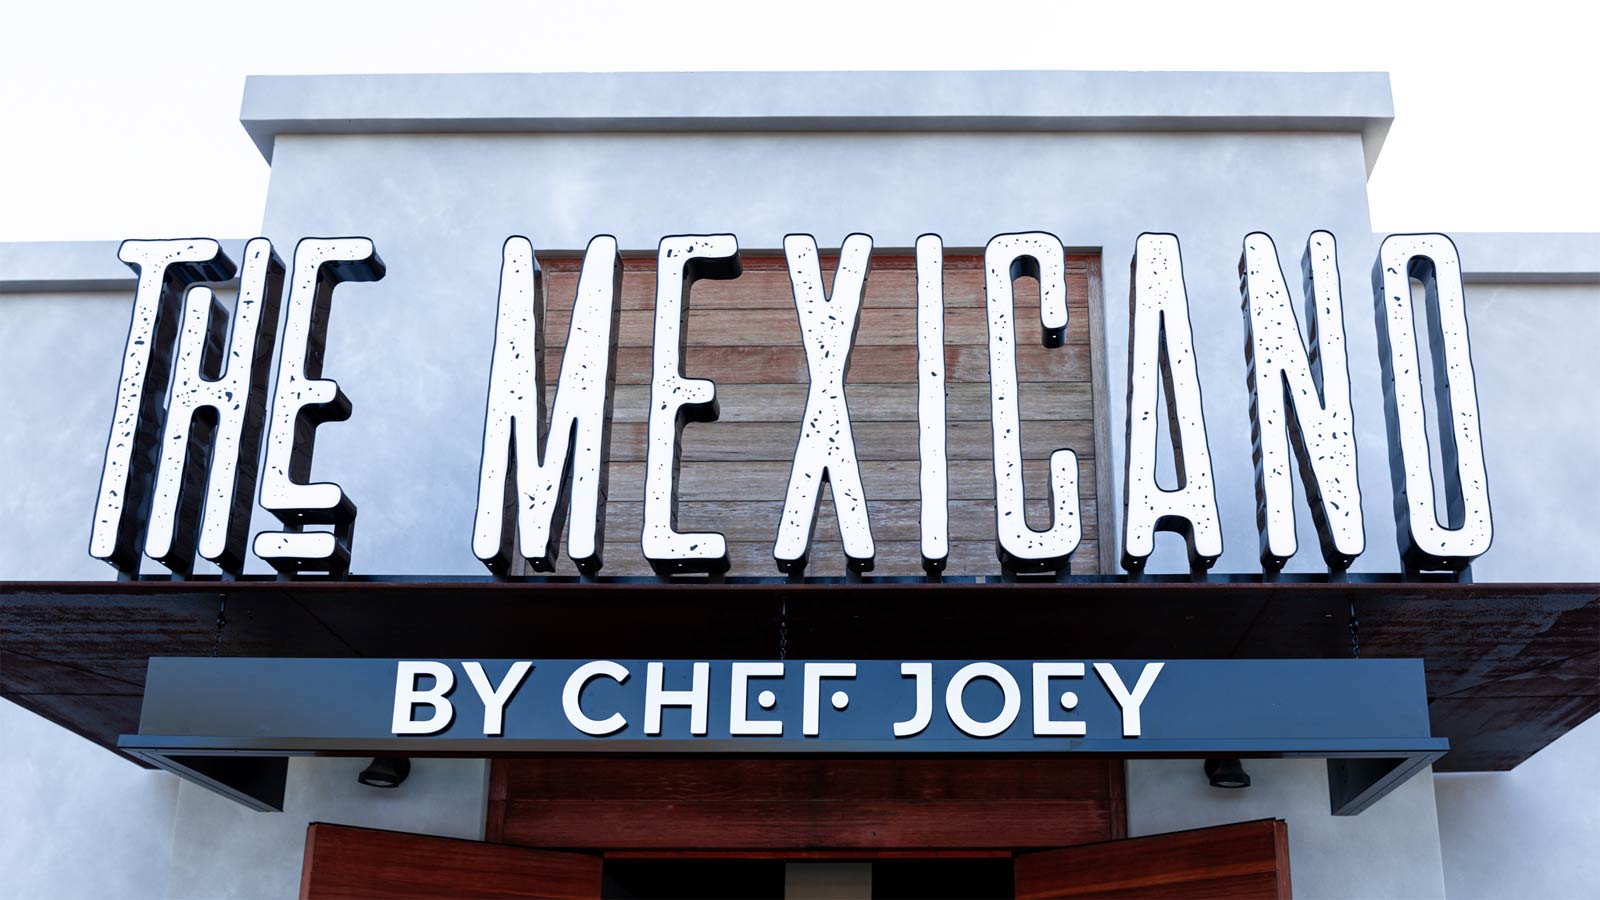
(574, 688)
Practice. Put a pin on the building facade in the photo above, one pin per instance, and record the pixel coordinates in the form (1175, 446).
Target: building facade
(438, 171)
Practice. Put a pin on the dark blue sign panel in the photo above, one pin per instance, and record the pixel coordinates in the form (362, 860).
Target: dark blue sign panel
(209, 709)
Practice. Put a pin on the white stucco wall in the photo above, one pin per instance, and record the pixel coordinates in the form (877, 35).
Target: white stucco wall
(1530, 832)
(62, 794)
(1533, 832)
(1389, 851)
(85, 823)
(60, 369)
(80, 822)
(1533, 355)
(223, 850)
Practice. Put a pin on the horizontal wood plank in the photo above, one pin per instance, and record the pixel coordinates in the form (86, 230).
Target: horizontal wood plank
(898, 479)
(775, 441)
(892, 520)
(778, 327)
(759, 824)
(802, 804)
(968, 557)
(809, 855)
(891, 283)
(745, 364)
(800, 780)
(1072, 401)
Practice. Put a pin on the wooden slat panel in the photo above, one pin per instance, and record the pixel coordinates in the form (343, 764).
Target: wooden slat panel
(1246, 860)
(774, 804)
(781, 327)
(343, 862)
(895, 530)
(801, 780)
(868, 403)
(809, 855)
(1101, 402)
(775, 441)
(744, 334)
(892, 520)
(827, 557)
(764, 825)
(765, 283)
(744, 364)
(968, 479)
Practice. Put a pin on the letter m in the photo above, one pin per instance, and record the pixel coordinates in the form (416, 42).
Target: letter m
(533, 471)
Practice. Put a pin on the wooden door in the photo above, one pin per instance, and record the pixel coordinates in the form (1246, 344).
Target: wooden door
(1245, 861)
(350, 863)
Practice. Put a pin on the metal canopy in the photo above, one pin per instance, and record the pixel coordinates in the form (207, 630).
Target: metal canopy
(1510, 667)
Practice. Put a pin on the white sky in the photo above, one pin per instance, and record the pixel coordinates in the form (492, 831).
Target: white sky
(121, 119)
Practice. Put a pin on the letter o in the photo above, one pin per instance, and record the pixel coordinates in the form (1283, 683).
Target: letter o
(958, 686)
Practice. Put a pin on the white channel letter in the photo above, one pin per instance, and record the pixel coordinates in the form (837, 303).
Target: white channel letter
(826, 450)
(1130, 701)
(219, 398)
(675, 400)
(526, 466)
(165, 270)
(1162, 350)
(739, 721)
(572, 697)
(301, 401)
(1043, 724)
(812, 699)
(406, 697)
(932, 470)
(922, 674)
(495, 698)
(1426, 540)
(1283, 373)
(1020, 548)
(697, 698)
(956, 708)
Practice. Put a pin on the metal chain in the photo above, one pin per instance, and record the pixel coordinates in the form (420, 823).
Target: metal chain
(222, 622)
(783, 631)
(1355, 632)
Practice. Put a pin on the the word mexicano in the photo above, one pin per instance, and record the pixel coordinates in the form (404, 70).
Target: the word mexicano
(540, 471)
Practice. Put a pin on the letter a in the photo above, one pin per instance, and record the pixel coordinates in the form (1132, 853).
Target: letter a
(1162, 350)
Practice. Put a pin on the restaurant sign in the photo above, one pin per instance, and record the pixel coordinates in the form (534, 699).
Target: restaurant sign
(231, 723)
(192, 412)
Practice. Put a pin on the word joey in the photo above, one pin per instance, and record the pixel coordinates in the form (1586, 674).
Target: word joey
(192, 411)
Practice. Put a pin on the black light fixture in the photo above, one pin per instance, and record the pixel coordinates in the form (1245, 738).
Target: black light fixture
(385, 772)
(1227, 773)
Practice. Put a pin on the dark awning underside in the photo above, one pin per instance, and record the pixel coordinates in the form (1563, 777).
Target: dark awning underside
(1510, 667)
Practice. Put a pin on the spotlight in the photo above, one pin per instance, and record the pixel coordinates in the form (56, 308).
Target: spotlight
(385, 772)
(1226, 773)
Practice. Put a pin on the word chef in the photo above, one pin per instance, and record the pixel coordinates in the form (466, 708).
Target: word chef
(179, 475)
(758, 699)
